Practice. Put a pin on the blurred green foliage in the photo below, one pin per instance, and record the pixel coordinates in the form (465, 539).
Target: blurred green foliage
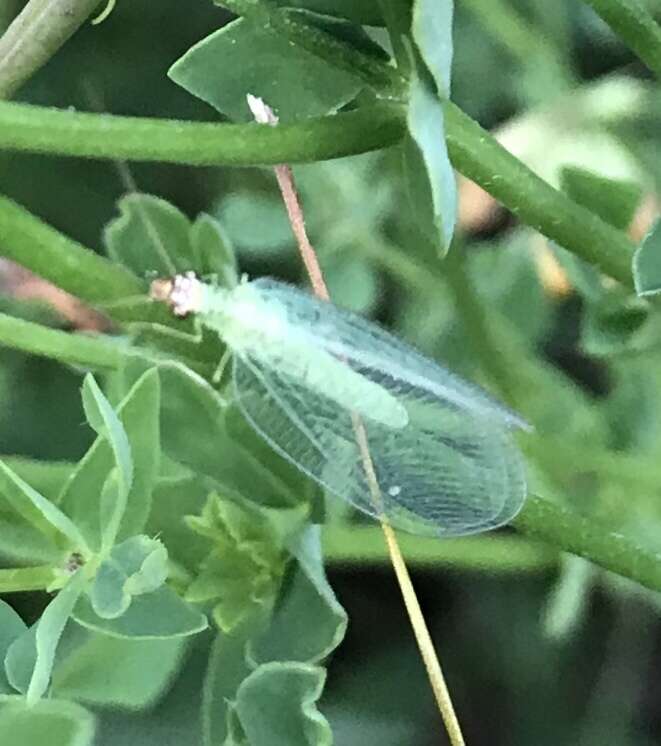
(539, 655)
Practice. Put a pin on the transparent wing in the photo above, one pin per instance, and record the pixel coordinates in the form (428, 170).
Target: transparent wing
(447, 472)
(365, 345)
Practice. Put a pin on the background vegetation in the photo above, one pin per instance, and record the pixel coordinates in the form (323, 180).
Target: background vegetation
(539, 645)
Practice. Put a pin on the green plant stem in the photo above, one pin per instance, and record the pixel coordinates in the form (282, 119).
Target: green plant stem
(26, 579)
(61, 260)
(98, 353)
(474, 152)
(498, 553)
(34, 36)
(477, 155)
(505, 24)
(588, 538)
(38, 129)
(635, 25)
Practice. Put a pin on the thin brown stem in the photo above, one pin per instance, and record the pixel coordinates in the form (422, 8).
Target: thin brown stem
(265, 115)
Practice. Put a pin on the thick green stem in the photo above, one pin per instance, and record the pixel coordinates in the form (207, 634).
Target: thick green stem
(34, 36)
(496, 553)
(474, 152)
(586, 537)
(97, 353)
(61, 260)
(26, 579)
(37, 129)
(635, 25)
(477, 155)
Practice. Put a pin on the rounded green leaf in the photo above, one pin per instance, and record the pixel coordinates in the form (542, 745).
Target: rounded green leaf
(51, 722)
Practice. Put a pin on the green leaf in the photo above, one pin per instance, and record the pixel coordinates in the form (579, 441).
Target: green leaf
(431, 28)
(159, 614)
(353, 283)
(51, 722)
(308, 622)
(173, 499)
(257, 224)
(118, 672)
(614, 201)
(647, 263)
(114, 494)
(11, 627)
(244, 57)
(365, 12)
(36, 510)
(213, 250)
(36, 648)
(20, 659)
(226, 669)
(430, 178)
(242, 572)
(82, 495)
(276, 706)
(212, 439)
(108, 594)
(150, 236)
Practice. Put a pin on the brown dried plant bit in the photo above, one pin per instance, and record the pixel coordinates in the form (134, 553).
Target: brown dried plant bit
(20, 283)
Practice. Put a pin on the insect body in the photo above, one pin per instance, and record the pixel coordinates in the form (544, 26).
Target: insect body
(306, 374)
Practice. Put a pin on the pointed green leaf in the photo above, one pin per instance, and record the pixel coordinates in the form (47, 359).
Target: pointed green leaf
(240, 58)
(105, 422)
(158, 614)
(49, 629)
(359, 11)
(51, 722)
(20, 659)
(36, 509)
(647, 263)
(429, 174)
(11, 627)
(82, 495)
(277, 706)
(431, 29)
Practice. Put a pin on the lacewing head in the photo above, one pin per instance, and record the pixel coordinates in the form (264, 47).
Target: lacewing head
(183, 293)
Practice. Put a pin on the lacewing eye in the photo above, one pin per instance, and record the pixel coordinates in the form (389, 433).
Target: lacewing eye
(440, 447)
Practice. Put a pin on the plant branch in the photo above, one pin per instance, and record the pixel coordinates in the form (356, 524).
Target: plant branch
(38, 129)
(26, 579)
(587, 537)
(474, 152)
(61, 260)
(496, 553)
(478, 156)
(635, 25)
(95, 352)
(34, 36)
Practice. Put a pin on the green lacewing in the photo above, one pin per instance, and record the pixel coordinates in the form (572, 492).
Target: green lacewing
(303, 370)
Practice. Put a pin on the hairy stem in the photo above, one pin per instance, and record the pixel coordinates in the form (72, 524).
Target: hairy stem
(26, 579)
(34, 36)
(635, 25)
(95, 352)
(38, 129)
